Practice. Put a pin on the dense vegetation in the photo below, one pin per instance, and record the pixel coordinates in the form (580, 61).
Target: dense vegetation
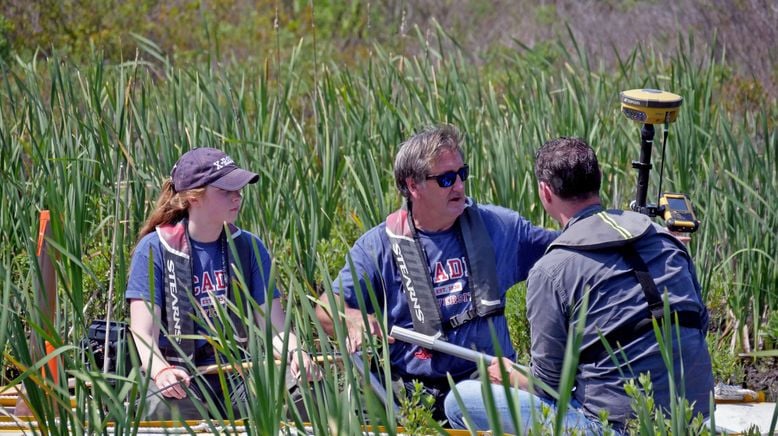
(90, 135)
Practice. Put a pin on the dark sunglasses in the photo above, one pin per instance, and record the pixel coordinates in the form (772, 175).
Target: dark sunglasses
(448, 178)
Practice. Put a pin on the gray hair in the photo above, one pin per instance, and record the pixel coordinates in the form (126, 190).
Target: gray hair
(416, 155)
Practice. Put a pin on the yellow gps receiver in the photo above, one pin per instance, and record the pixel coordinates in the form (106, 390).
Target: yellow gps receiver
(650, 106)
(678, 213)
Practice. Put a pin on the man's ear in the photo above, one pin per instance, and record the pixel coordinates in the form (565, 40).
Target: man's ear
(545, 192)
(413, 187)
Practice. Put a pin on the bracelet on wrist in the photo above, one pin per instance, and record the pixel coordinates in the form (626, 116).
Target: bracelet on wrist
(293, 352)
(163, 370)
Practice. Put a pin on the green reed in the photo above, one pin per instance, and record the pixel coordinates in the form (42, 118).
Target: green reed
(324, 150)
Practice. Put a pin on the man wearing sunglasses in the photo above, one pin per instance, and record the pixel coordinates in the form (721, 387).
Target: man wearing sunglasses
(623, 263)
(433, 266)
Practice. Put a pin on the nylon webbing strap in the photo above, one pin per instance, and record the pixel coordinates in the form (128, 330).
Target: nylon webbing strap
(640, 269)
(457, 320)
(628, 333)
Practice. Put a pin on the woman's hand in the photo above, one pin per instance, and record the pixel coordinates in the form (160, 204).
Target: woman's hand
(170, 381)
(299, 359)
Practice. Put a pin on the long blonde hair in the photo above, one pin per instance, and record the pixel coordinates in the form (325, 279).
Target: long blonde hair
(171, 207)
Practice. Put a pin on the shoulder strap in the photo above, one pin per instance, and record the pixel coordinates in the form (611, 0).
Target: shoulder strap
(639, 268)
(177, 263)
(482, 282)
(627, 333)
(412, 263)
(243, 247)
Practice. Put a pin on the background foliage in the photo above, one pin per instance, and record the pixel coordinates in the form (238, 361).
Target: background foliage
(741, 31)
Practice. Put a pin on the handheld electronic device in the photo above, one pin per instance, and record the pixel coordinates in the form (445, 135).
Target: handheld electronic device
(678, 212)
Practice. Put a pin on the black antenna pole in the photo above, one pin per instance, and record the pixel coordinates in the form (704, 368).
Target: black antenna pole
(644, 166)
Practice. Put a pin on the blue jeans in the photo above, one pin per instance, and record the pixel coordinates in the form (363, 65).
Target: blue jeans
(526, 404)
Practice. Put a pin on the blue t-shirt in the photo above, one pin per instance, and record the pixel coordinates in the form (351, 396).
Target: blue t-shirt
(209, 279)
(517, 246)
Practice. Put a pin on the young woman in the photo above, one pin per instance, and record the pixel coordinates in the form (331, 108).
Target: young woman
(194, 285)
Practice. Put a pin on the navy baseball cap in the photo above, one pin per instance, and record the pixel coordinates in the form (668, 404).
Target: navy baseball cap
(209, 166)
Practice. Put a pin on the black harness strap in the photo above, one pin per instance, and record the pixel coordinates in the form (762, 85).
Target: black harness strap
(628, 333)
(469, 315)
(640, 269)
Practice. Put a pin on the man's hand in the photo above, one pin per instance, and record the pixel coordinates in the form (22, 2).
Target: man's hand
(357, 330)
(354, 324)
(515, 377)
(684, 237)
(495, 374)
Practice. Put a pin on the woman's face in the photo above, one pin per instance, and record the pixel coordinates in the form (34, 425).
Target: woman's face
(218, 206)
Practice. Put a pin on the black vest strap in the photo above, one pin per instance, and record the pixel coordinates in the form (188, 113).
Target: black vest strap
(639, 268)
(469, 315)
(243, 268)
(176, 258)
(628, 333)
(481, 262)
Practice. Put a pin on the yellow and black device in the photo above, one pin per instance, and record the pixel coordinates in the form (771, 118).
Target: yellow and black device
(648, 107)
(678, 213)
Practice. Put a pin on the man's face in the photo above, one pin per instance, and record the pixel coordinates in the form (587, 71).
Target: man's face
(435, 207)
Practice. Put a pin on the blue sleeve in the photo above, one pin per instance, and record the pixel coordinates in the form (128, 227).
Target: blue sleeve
(260, 271)
(518, 243)
(138, 282)
(533, 242)
(698, 292)
(685, 262)
(364, 270)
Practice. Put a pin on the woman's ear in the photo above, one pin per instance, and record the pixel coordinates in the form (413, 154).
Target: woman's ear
(191, 199)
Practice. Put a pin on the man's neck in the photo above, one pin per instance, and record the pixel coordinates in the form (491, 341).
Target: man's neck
(570, 209)
(426, 223)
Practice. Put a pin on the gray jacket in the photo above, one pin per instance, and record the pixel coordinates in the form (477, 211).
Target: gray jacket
(586, 258)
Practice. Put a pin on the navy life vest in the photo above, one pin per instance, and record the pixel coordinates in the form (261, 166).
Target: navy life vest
(417, 283)
(180, 307)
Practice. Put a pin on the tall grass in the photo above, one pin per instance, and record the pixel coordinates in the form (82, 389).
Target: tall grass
(324, 150)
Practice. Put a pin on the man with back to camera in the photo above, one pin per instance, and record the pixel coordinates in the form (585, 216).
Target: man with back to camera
(625, 262)
(434, 263)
